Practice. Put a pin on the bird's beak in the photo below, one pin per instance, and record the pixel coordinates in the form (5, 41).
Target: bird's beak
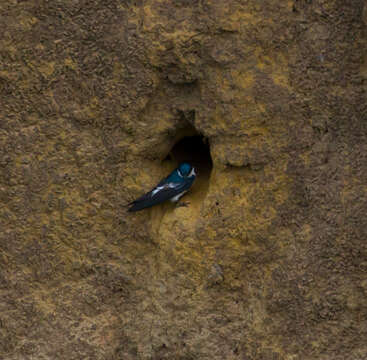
(192, 172)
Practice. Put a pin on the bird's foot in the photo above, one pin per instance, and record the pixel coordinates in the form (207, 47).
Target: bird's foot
(182, 204)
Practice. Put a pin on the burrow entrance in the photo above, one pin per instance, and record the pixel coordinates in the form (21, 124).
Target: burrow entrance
(194, 149)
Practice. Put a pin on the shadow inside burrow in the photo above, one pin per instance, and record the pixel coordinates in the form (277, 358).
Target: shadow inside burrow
(194, 149)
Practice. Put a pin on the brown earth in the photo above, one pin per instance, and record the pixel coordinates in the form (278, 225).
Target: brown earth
(269, 258)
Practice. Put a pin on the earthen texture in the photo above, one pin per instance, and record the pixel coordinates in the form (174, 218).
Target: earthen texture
(269, 258)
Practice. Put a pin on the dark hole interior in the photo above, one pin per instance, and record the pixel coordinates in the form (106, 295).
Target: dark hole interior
(194, 150)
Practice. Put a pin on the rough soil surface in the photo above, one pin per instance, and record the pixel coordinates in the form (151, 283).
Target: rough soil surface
(269, 258)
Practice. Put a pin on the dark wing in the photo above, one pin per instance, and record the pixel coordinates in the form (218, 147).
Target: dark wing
(158, 195)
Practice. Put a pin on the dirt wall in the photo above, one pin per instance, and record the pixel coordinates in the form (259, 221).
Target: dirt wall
(268, 260)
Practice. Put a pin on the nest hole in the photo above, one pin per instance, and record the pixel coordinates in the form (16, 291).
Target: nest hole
(195, 150)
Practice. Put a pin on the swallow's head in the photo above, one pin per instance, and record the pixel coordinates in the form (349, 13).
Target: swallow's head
(185, 170)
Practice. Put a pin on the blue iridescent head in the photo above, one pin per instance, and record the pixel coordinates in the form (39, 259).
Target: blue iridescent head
(186, 170)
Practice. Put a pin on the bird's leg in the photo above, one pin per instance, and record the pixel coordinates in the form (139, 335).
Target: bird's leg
(182, 203)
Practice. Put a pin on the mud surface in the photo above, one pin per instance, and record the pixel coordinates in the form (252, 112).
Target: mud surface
(269, 258)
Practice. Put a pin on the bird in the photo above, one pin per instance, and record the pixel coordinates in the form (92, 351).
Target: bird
(175, 185)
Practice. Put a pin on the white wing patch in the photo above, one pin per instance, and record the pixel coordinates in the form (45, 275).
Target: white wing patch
(159, 188)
